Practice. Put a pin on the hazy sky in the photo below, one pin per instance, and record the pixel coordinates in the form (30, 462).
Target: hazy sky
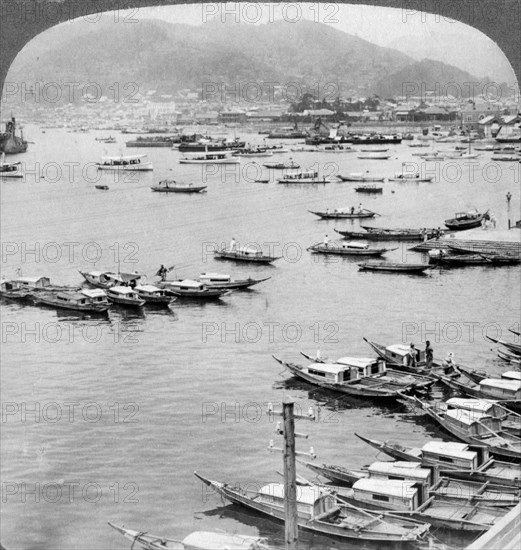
(418, 35)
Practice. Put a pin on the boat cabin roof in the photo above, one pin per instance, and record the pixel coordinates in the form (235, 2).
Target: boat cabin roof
(248, 250)
(330, 368)
(390, 487)
(148, 288)
(127, 277)
(469, 404)
(127, 157)
(215, 277)
(122, 290)
(41, 281)
(452, 448)
(405, 469)
(511, 375)
(357, 362)
(501, 383)
(467, 417)
(305, 494)
(189, 283)
(93, 292)
(398, 349)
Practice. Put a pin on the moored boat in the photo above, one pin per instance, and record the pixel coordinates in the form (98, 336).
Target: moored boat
(188, 288)
(14, 291)
(393, 267)
(348, 249)
(282, 165)
(456, 460)
(339, 213)
(245, 254)
(466, 220)
(218, 280)
(124, 296)
(10, 170)
(107, 279)
(88, 300)
(512, 346)
(154, 295)
(210, 157)
(301, 177)
(404, 176)
(130, 163)
(368, 189)
(319, 512)
(199, 540)
(171, 186)
(358, 376)
(374, 156)
(361, 176)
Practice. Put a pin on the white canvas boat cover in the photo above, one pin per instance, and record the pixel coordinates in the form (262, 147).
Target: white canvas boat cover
(355, 175)
(405, 469)
(390, 487)
(511, 375)
(121, 290)
(449, 448)
(188, 283)
(34, 281)
(398, 349)
(202, 540)
(93, 292)
(305, 494)
(503, 384)
(329, 368)
(469, 404)
(355, 244)
(248, 250)
(467, 417)
(147, 288)
(358, 362)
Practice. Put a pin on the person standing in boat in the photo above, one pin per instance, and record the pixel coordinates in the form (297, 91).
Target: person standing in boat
(429, 354)
(412, 356)
(360, 209)
(326, 241)
(161, 272)
(233, 244)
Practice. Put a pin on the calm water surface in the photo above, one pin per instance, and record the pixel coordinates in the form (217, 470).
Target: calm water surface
(148, 397)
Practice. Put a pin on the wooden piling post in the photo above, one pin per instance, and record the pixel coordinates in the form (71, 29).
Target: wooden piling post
(290, 478)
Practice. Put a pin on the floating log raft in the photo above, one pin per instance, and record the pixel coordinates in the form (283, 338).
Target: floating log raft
(477, 246)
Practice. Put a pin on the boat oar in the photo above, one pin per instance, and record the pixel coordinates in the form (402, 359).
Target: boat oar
(507, 443)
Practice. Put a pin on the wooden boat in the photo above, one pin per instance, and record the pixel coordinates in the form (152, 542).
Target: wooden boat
(515, 348)
(348, 249)
(505, 158)
(10, 170)
(455, 460)
(125, 296)
(199, 540)
(426, 478)
(393, 267)
(303, 177)
(254, 152)
(189, 288)
(474, 427)
(358, 376)
(401, 176)
(281, 165)
(368, 189)
(246, 254)
(218, 280)
(210, 157)
(388, 234)
(374, 156)
(348, 213)
(506, 389)
(14, 291)
(88, 300)
(107, 279)
(171, 186)
(374, 149)
(362, 177)
(319, 512)
(466, 220)
(516, 332)
(459, 260)
(130, 163)
(510, 357)
(154, 295)
(335, 148)
(40, 284)
(102, 187)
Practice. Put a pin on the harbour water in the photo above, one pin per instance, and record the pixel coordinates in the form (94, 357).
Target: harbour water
(106, 419)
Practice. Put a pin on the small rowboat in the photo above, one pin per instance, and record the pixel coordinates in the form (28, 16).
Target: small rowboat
(102, 187)
(410, 177)
(348, 213)
(170, 186)
(394, 267)
(460, 260)
(374, 156)
(125, 296)
(246, 254)
(348, 249)
(368, 189)
(359, 176)
(14, 291)
(320, 512)
(382, 234)
(217, 280)
(281, 165)
(154, 295)
(199, 540)
(515, 348)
